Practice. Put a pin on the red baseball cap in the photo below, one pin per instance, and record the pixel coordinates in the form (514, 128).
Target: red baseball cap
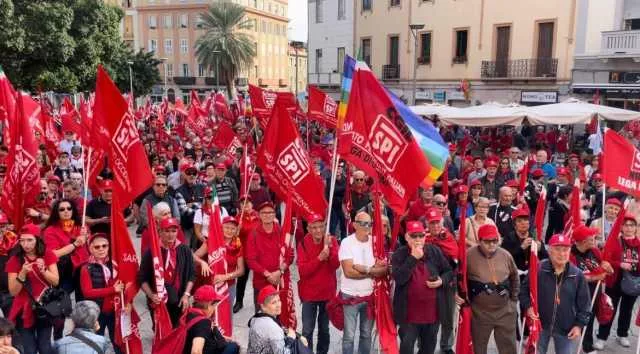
(206, 293)
(537, 173)
(266, 204)
(185, 166)
(30, 229)
(452, 147)
(520, 212)
(230, 219)
(315, 218)
(582, 232)
(492, 163)
(488, 232)
(614, 201)
(512, 183)
(560, 240)
(53, 178)
(221, 166)
(245, 196)
(415, 227)
(462, 189)
(563, 171)
(629, 216)
(255, 176)
(574, 156)
(596, 177)
(169, 222)
(107, 184)
(265, 292)
(475, 182)
(434, 215)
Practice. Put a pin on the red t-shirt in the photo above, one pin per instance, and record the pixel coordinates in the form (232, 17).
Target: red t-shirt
(421, 302)
(22, 302)
(234, 251)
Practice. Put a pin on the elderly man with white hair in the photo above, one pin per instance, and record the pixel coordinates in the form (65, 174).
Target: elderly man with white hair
(83, 339)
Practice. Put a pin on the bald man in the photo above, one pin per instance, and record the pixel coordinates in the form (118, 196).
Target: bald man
(359, 193)
(500, 212)
(359, 267)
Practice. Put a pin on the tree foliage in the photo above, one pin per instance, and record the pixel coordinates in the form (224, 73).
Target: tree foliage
(56, 45)
(225, 41)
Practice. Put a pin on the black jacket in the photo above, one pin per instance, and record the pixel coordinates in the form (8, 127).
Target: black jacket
(402, 264)
(512, 243)
(185, 269)
(575, 300)
(557, 212)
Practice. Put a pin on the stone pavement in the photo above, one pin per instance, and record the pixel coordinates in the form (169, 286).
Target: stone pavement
(241, 330)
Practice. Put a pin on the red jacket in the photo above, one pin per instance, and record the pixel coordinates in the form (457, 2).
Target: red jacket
(107, 294)
(614, 255)
(55, 238)
(417, 210)
(263, 253)
(317, 278)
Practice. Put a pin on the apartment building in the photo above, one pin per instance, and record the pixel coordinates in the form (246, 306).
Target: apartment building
(330, 39)
(170, 29)
(469, 51)
(607, 53)
(297, 67)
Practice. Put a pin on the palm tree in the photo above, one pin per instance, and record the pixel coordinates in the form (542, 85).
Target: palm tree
(224, 41)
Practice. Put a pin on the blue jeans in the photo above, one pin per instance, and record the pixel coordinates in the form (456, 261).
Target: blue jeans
(561, 344)
(310, 310)
(232, 294)
(231, 348)
(338, 222)
(36, 339)
(351, 314)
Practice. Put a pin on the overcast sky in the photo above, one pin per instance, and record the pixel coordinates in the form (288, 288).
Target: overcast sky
(298, 24)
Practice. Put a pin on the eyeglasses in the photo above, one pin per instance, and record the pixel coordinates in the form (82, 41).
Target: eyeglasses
(192, 174)
(440, 203)
(629, 225)
(64, 209)
(364, 223)
(504, 163)
(267, 212)
(416, 235)
(359, 179)
(490, 242)
(160, 184)
(97, 247)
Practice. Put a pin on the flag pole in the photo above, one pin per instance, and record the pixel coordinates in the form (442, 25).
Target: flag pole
(604, 181)
(332, 187)
(521, 330)
(593, 301)
(244, 203)
(86, 188)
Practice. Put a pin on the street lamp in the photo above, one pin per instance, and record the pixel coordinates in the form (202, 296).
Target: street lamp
(130, 78)
(217, 53)
(414, 31)
(164, 62)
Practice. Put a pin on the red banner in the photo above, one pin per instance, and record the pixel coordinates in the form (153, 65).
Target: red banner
(287, 167)
(216, 250)
(222, 108)
(70, 118)
(7, 107)
(288, 314)
(263, 101)
(22, 182)
(128, 160)
(376, 140)
(622, 164)
(322, 107)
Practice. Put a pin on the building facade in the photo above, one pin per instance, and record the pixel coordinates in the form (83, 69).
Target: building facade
(297, 67)
(170, 28)
(330, 39)
(607, 55)
(469, 51)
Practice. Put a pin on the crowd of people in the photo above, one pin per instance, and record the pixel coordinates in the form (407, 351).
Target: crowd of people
(64, 245)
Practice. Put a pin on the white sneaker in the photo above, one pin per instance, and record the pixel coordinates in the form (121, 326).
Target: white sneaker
(598, 345)
(624, 342)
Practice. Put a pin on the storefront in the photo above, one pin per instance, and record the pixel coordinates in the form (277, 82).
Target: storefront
(535, 98)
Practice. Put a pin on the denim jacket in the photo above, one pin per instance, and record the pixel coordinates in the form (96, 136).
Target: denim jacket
(71, 345)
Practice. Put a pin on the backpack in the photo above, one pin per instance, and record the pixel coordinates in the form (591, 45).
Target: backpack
(174, 342)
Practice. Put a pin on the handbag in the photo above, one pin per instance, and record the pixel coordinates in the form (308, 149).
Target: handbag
(54, 304)
(630, 284)
(605, 309)
(299, 347)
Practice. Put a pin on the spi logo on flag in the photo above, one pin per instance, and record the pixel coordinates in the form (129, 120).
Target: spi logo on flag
(269, 98)
(293, 163)
(330, 106)
(126, 135)
(387, 143)
(635, 163)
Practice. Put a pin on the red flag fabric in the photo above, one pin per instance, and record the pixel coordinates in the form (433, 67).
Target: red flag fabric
(535, 326)
(179, 107)
(288, 314)
(376, 140)
(127, 157)
(222, 108)
(224, 136)
(7, 107)
(385, 324)
(86, 114)
(462, 252)
(70, 118)
(622, 161)
(125, 269)
(612, 245)
(539, 217)
(216, 250)
(22, 181)
(161, 317)
(50, 136)
(573, 219)
(322, 107)
(464, 341)
(524, 175)
(287, 167)
(263, 101)
(245, 167)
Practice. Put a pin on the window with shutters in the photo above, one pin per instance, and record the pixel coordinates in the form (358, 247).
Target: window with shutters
(184, 46)
(366, 50)
(341, 54)
(425, 48)
(153, 22)
(185, 69)
(184, 21)
(168, 21)
(462, 39)
(366, 5)
(169, 70)
(153, 45)
(168, 46)
(341, 10)
(319, 11)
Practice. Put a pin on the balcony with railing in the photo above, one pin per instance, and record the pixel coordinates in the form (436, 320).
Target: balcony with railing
(184, 80)
(520, 69)
(325, 79)
(390, 72)
(620, 42)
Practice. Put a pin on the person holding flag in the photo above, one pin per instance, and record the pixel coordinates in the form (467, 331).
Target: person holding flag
(419, 270)
(563, 299)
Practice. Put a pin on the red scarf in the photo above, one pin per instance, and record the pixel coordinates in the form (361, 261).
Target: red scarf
(9, 240)
(170, 263)
(446, 242)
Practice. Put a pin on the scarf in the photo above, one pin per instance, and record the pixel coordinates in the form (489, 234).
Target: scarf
(170, 276)
(67, 225)
(447, 244)
(9, 240)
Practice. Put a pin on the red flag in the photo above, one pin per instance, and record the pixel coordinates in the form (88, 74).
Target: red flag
(612, 245)
(224, 135)
(218, 264)
(464, 342)
(197, 117)
(622, 161)
(127, 157)
(573, 219)
(7, 107)
(50, 137)
(125, 269)
(222, 108)
(288, 314)
(161, 317)
(179, 107)
(22, 182)
(524, 175)
(376, 140)
(387, 332)
(534, 324)
(262, 103)
(245, 165)
(86, 114)
(322, 107)
(286, 164)
(539, 217)
(70, 118)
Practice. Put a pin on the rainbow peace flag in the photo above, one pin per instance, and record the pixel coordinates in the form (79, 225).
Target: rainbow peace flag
(345, 90)
(434, 148)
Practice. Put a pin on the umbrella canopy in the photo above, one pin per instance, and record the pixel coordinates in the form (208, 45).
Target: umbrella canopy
(488, 114)
(574, 111)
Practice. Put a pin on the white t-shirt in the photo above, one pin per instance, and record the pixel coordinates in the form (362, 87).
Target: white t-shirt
(360, 253)
(201, 218)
